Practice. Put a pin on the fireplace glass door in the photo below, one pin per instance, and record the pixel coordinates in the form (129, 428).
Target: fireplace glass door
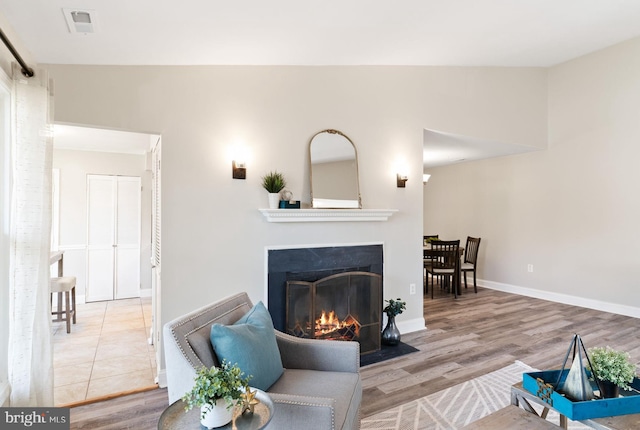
(345, 306)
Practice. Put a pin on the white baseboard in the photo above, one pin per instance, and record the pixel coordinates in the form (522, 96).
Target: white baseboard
(416, 324)
(161, 379)
(567, 299)
(81, 298)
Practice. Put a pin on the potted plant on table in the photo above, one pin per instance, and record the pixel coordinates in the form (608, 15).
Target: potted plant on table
(274, 182)
(391, 334)
(613, 369)
(216, 391)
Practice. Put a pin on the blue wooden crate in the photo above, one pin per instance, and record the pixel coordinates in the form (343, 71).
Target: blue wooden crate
(629, 404)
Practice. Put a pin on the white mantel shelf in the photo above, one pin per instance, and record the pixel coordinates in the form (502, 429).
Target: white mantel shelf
(327, 215)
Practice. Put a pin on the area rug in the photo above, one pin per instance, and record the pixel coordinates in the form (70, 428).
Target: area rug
(455, 407)
(386, 353)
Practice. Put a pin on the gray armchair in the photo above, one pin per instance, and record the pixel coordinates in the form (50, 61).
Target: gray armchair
(321, 382)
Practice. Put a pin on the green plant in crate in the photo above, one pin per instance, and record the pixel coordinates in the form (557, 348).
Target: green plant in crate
(613, 366)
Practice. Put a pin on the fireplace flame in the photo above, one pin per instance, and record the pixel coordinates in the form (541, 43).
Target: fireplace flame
(329, 324)
(330, 320)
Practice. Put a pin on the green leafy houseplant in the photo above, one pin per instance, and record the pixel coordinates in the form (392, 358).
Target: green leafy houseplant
(273, 182)
(395, 307)
(613, 366)
(225, 382)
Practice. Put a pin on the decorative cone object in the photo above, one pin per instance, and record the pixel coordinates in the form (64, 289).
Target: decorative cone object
(576, 386)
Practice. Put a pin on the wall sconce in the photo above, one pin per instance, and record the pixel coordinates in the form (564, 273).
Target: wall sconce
(425, 178)
(238, 169)
(401, 180)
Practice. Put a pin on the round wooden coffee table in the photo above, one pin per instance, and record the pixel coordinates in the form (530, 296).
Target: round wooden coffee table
(175, 417)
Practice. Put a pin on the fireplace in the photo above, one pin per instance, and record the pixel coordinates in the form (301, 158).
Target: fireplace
(345, 306)
(345, 280)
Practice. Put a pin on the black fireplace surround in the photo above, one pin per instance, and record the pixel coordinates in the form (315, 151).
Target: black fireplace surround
(311, 265)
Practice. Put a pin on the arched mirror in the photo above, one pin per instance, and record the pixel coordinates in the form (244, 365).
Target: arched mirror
(334, 171)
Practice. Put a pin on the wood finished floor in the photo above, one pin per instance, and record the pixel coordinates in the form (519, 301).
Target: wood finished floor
(465, 338)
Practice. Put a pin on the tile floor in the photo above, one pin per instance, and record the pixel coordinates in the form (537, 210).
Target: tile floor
(107, 351)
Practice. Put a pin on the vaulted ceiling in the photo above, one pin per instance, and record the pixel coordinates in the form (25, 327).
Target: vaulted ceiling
(508, 33)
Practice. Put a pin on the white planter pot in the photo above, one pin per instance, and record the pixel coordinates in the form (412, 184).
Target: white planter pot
(216, 416)
(274, 200)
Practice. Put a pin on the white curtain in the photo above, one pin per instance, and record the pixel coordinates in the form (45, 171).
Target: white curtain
(30, 339)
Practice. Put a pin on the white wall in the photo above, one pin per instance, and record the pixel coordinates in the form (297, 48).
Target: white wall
(74, 167)
(213, 234)
(571, 210)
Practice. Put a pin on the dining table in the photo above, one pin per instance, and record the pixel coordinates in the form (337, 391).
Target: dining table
(429, 252)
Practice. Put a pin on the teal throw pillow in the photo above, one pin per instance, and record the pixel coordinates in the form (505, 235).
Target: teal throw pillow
(250, 342)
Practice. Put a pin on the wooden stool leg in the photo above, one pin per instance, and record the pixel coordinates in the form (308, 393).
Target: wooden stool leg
(73, 302)
(59, 314)
(67, 311)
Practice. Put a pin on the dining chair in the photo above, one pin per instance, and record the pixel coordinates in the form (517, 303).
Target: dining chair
(427, 260)
(470, 260)
(447, 264)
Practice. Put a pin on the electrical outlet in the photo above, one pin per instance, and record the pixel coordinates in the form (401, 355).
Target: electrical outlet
(412, 288)
(530, 268)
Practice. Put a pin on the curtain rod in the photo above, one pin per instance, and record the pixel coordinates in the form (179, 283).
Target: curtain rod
(26, 70)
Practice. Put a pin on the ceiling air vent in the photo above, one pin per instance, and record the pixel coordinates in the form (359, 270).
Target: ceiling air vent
(80, 21)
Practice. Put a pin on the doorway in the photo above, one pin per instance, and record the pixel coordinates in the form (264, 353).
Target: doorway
(105, 228)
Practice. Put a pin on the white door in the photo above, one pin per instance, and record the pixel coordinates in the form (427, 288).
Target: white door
(113, 237)
(156, 285)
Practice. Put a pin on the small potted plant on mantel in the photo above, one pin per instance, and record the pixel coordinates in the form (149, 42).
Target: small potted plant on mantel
(613, 369)
(391, 334)
(274, 182)
(216, 391)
